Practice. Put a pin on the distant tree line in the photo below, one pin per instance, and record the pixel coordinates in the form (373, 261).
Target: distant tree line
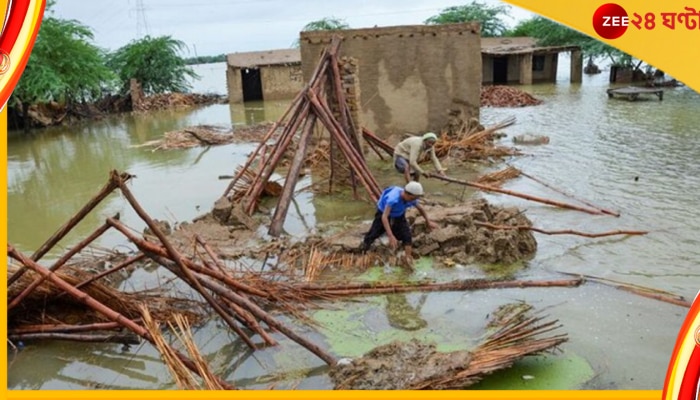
(65, 68)
(491, 19)
(205, 59)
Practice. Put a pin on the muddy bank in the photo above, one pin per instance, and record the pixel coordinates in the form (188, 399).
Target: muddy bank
(53, 113)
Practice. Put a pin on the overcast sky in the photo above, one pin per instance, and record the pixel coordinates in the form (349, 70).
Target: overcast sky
(226, 26)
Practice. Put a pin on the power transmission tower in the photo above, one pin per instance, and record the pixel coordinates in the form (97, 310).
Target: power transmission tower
(141, 23)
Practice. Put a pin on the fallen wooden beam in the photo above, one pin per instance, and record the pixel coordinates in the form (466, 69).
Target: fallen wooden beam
(517, 194)
(559, 232)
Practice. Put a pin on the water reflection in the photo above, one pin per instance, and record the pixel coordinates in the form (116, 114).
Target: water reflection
(256, 112)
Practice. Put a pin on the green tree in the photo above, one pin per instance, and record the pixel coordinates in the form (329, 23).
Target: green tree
(155, 62)
(63, 67)
(324, 24)
(551, 33)
(490, 17)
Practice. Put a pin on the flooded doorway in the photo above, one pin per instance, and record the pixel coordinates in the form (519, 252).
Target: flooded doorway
(500, 70)
(251, 84)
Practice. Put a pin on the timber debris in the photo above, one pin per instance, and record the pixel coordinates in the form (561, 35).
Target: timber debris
(310, 106)
(207, 135)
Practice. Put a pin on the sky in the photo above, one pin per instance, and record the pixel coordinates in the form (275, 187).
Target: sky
(212, 27)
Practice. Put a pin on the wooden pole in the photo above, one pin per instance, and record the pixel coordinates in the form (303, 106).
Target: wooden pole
(99, 307)
(276, 154)
(186, 275)
(116, 268)
(372, 138)
(313, 290)
(223, 292)
(292, 177)
(296, 103)
(356, 159)
(255, 310)
(175, 255)
(559, 232)
(58, 264)
(106, 190)
(153, 248)
(516, 194)
(545, 184)
(113, 337)
(45, 328)
(639, 290)
(161, 254)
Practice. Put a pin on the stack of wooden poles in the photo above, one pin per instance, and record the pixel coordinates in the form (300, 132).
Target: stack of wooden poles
(310, 106)
(236, 301)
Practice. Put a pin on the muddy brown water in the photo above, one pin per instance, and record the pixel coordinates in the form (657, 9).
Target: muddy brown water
(639, 158)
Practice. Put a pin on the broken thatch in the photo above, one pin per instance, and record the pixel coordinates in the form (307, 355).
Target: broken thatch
(467, 141)
(474, 143)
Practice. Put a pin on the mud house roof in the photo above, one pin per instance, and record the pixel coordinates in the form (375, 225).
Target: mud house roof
(489, 46)
(263, 58)
(518, 45)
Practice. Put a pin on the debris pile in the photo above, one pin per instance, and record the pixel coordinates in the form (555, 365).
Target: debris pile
(473, 143)
(168, 101)
(506, 96)
(467, 141)
(207, 135)
(513, 333)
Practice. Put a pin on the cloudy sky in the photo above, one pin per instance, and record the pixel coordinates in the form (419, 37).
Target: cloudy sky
(210, 27)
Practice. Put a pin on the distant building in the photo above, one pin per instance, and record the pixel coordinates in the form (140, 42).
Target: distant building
(263, 75)
(517, 60)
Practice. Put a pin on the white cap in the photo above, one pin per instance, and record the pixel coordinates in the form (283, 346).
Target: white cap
(430, 136)
(414, 188)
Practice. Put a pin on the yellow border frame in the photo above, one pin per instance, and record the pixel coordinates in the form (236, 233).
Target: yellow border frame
(681, 64)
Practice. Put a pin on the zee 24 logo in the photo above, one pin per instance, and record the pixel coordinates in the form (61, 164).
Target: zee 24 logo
(610, 20)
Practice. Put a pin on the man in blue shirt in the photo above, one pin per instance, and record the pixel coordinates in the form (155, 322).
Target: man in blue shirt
(390, 218)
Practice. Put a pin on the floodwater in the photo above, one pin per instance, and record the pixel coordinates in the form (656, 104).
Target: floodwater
(638, 158)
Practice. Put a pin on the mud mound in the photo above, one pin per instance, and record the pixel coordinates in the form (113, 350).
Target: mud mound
(398, 365)
(506, 96)
(460, 238)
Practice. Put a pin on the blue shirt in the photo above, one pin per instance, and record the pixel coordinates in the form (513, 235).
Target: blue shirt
(391, 197)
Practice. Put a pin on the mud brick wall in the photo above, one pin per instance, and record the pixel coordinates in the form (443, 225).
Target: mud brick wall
(410, 76)
(349, 79)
